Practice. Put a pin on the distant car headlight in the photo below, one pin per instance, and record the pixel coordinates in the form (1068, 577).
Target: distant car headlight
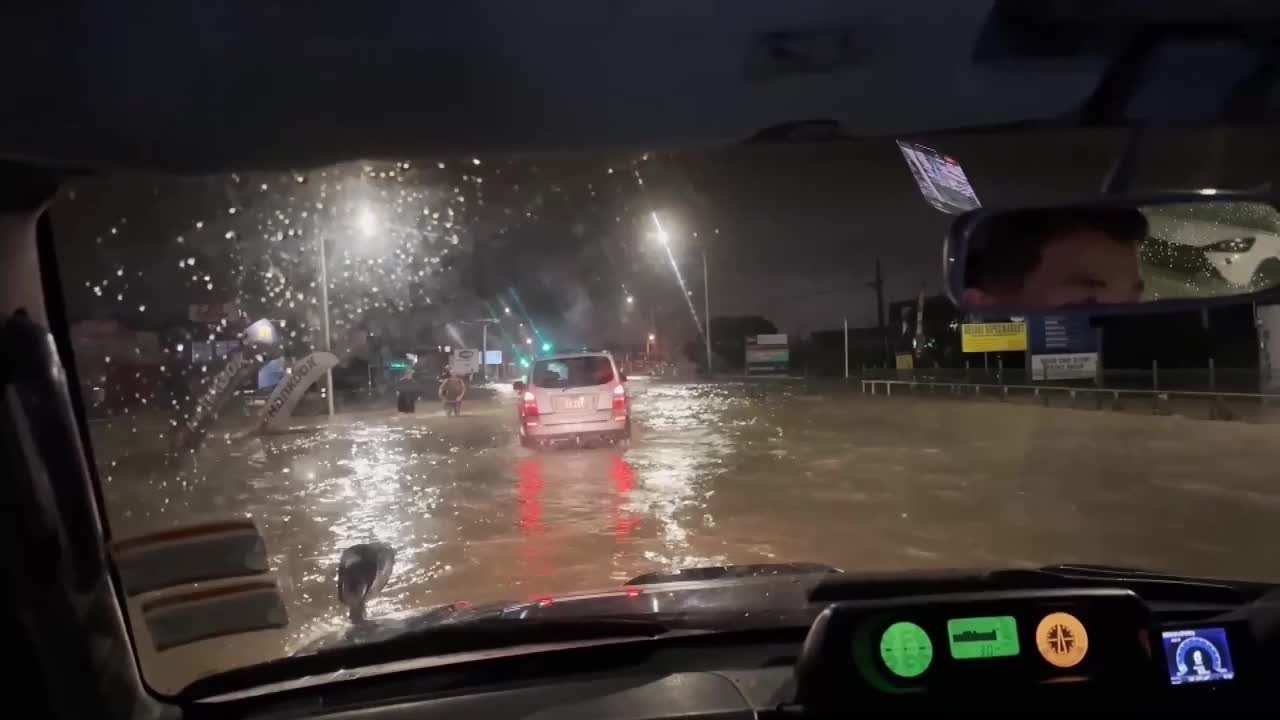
(1234, 245)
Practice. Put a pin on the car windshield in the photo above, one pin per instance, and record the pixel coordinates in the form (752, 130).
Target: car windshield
(574, 372)
(242, 345)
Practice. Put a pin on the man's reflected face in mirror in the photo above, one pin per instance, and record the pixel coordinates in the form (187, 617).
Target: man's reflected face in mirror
(1055, 257)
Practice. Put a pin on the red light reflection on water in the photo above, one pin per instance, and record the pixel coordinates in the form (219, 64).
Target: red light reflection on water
(529, 496)
(623, 521)
(533, 548)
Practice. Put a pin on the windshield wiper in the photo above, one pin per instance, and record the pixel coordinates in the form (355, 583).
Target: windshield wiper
(410, 643)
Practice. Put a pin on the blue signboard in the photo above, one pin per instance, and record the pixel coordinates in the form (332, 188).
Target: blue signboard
(1060, 334)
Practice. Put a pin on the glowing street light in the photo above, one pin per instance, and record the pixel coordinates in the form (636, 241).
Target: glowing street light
(366, 221)
(631, 299)
(665, 238)
(528, 341)
(652, 337)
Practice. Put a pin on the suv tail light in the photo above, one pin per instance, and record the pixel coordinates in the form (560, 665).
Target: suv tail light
(530, 408)
(620, 401)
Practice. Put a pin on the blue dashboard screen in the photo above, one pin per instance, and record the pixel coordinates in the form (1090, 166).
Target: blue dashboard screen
(1197, 655)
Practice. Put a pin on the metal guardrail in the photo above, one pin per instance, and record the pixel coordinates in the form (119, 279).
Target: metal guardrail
(1160, 399)
(1211, 379)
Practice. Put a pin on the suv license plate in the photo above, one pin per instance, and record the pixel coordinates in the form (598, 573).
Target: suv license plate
(575, 402)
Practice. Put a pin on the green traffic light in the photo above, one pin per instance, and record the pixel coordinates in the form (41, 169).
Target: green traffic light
(524, 363)
(546, 347)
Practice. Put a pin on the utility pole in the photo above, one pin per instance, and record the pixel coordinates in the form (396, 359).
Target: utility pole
(324, 307)
(484, 344)
(878, 286)
(706, 309)
(846, 348)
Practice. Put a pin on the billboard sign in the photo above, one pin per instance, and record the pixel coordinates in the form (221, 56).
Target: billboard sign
(993, 337)
(493, 357)
(768, 354)
(464, 361)
(1050, 334)
(1063, 347)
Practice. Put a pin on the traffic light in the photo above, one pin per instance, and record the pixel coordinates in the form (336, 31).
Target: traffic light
(546, 347)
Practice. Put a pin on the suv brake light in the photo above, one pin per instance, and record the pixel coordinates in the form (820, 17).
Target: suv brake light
(619, 400)
(530, 409)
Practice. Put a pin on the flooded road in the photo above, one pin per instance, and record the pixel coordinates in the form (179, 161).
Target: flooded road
(724, 473)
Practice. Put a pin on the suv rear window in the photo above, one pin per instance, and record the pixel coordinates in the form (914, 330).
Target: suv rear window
(584, 371)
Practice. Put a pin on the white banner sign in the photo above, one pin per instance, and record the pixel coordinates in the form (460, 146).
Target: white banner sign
(465, 361)
(1071, 366)
(288, 392)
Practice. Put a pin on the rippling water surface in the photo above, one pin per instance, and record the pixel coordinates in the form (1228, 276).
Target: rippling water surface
(716, 474)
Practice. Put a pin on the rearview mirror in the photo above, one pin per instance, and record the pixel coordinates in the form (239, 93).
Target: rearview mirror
(1190, 247)
(363, 571)
(518, 386)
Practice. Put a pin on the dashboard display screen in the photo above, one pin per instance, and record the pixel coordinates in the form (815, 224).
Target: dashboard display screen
(1197, 655)
(983, 637)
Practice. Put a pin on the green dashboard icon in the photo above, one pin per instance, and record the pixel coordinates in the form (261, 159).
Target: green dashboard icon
(982, 637)
(906, 649)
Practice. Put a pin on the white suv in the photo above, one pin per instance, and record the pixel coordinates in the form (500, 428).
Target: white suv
(1243, 256)
(577, 397)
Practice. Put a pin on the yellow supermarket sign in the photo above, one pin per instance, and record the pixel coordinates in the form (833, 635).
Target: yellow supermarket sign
(993, 337)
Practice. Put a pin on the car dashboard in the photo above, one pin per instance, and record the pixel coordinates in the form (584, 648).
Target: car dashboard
(1039, 650)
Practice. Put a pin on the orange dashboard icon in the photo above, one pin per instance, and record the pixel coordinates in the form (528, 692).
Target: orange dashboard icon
(1062, 640)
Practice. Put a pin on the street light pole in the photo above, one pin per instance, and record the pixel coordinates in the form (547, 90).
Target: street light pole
(324, 309)
(484, 345)
(706, 309)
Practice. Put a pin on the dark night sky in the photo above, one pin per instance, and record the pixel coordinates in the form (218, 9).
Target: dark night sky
(799, 225)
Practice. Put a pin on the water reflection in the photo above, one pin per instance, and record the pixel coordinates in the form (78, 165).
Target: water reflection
(715, 474)
(533, 550)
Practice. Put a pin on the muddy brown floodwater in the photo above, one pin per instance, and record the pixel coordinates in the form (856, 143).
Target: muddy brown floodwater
(724, 473)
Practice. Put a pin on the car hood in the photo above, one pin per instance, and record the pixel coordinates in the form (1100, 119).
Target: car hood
(774, 589)
(736, 596)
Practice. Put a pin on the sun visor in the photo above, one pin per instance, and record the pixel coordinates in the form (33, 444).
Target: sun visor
(1191, 82)
(225, 548)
